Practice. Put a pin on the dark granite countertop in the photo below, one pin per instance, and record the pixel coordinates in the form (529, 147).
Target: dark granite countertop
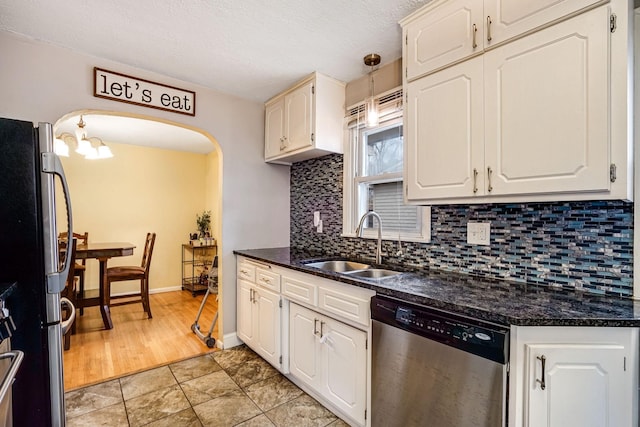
(498, 301)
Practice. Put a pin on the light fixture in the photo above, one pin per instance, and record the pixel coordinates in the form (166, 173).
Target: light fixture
(372, 116)
(84, 145)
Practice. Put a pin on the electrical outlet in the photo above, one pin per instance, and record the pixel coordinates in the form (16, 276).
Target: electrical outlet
(478, 233)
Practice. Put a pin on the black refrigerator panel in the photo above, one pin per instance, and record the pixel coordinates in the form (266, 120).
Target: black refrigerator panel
(22, 261)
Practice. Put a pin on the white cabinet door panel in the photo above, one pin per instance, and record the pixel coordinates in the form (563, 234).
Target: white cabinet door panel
(298, 116)
(443, 36)
(268, 325)
(274, 128)
(445, 133)
(511, 18)
(582, 385)
(303, 354)
(346, 375)
(546, 109)
(245, 312)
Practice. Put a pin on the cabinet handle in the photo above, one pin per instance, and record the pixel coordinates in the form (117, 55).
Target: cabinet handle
(475, 32)
(543, 361)
(489, 171)
(315, 326)
(321, 329)
(488, 28)
(251, 295)
(265, 280)
(475, 180)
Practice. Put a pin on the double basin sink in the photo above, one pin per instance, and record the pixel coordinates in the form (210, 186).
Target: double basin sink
(353, 269)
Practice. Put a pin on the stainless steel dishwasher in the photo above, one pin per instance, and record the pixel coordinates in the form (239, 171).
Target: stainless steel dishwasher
(436, 369)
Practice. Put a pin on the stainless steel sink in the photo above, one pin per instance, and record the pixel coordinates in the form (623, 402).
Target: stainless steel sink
(339, 266)
(373, 273)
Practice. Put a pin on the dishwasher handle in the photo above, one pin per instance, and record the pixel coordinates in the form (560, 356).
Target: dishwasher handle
(16, 357)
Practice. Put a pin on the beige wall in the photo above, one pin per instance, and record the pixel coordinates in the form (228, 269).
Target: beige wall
(41, 82)
(387, 77)
(139, 190)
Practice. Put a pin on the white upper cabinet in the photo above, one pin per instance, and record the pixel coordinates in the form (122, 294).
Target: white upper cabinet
(540, 117)
(447, 31)
(305, 121)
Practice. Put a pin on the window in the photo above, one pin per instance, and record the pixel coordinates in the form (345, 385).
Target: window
(373, 179)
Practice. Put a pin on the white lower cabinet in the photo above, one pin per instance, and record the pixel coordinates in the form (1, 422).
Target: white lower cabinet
(259, 321)
(331, 358)
(574, 376)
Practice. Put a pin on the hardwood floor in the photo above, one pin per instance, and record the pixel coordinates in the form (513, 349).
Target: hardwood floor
(136, 343)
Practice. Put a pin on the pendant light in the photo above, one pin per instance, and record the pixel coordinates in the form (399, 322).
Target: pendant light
(84, 144)
(372, 115)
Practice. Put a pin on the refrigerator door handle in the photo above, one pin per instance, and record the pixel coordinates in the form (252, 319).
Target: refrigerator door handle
(57, 277)
(66, 324)
(16, 357)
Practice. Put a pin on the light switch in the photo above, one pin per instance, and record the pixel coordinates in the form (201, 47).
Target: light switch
(479, 233)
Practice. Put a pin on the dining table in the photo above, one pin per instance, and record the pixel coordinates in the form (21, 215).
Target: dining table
(103, 252)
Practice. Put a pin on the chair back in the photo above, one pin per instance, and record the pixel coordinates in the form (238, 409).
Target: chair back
(83, 239)
(148, 251)
(72, 265)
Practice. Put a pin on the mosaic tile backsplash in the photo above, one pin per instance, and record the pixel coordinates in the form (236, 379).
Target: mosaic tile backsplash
(579, 245)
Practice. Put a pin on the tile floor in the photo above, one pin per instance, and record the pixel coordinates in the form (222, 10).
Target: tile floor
(233, 387)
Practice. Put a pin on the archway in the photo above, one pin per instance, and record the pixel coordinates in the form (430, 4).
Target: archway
(113, 196)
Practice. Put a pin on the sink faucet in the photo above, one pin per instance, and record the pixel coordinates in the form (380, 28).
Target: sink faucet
(361, 228)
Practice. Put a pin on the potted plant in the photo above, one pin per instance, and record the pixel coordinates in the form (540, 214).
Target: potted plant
(204, 223)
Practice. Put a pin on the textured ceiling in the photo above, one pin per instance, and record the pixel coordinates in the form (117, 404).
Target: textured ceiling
(249, 48)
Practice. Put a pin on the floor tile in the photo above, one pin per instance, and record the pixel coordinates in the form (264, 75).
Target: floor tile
(251, 372)
(259, 421)
(156, 405)
(303, 411)
(186, 418)
(338, 423)
(272, 392)
(89, 399)
(227, 410)
(208, 387)
(147, 381)
(111, 416)
(234, 356)
(194, 368)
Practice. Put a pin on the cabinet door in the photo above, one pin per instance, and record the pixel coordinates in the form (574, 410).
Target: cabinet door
(298, 120)
(274, 129)
(267, 326)
(303, 351)
(585, 385)
(444, 133)
(448, 33)
(344, 363)
(547, 103)
(507, 19)
(246, 312)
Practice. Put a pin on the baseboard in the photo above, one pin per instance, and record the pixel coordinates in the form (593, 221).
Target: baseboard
(230, 340)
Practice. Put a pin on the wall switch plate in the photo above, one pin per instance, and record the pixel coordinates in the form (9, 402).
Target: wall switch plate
(479, 233)
(319, 227)
(316, 218)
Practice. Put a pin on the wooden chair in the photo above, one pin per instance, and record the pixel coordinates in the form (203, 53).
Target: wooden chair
(80, 267)
(122, 273)
(70, 292)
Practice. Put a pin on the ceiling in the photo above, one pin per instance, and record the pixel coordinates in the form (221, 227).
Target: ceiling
(252, 49)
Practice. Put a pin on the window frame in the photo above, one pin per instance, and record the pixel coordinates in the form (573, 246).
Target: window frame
(352, 205)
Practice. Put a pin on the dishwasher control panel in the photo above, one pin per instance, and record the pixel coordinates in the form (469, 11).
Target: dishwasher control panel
(474, 336)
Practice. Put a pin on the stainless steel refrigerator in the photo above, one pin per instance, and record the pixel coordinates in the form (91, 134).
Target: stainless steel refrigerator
(29, 255)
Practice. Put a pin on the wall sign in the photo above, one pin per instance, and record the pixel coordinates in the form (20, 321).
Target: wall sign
(132, 90)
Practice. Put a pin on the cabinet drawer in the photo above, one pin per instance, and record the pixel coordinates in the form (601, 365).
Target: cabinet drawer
(344, 304)
(246, 271)
(268, 279)
(299, 290)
